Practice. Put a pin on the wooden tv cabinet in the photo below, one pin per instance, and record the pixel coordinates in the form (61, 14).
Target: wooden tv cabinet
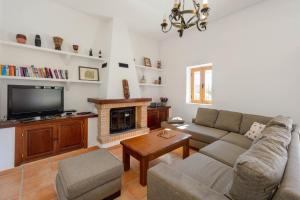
(41, 139)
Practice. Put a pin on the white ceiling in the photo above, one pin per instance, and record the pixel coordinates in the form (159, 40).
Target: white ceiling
(145, 16)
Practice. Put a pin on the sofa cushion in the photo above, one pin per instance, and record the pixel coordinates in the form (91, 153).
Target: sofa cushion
(258, 171)
(165, 183)
(206, 117)
(237, 139)
(196, 144)
(248, 120)
(206, 170)
(229, 121)
(224, 152)
(85, 172)
(198, 132)
(281, 121)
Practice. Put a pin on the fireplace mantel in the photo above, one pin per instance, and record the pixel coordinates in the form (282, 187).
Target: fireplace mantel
(116, 101)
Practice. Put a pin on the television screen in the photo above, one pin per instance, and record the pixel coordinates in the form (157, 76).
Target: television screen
(31, 101)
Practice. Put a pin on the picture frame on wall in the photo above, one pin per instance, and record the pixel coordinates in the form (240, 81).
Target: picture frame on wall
(147, 62)
(88, 73)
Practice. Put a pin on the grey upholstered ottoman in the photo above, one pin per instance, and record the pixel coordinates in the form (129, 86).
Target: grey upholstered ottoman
(92, 176)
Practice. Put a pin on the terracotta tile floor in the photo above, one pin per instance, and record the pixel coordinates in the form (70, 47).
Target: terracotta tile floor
(36, 180)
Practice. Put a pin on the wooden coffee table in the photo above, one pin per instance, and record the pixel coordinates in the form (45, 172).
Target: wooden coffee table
(151, 146)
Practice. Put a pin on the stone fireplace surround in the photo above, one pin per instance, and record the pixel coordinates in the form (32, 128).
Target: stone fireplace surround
(104, 105)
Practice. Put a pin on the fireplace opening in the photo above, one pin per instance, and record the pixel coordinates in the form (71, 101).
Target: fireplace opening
(122, 119)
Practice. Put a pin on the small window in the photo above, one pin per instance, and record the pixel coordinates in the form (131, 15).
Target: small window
(201, 84)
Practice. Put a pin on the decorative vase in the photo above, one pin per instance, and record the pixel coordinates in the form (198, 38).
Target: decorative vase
(75, 48)
(143, 80)
(164, 101)
(21, 38)
(38, 41)
(159, 64)
(57, 42)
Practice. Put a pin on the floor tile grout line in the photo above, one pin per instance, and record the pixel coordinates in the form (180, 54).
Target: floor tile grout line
(21, 184)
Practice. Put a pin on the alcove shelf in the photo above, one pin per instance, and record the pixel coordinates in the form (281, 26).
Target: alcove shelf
(150, 84)
(47, 79)
(47, 50)
(149, 68)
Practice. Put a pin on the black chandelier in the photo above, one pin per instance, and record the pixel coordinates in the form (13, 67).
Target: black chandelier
(183, 19)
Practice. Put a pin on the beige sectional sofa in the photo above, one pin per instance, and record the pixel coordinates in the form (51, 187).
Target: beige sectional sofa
(229, 165)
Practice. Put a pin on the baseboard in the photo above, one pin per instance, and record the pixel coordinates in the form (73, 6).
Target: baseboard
(111, 144)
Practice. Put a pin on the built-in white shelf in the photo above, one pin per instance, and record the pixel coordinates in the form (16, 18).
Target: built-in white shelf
(47, 79)
(150, 84)
(43, 49)
(149, 68)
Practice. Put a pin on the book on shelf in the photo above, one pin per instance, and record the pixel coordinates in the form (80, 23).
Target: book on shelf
(33, 72)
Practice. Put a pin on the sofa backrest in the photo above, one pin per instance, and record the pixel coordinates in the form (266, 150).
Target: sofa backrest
(290, 184)
(248, 120)
(228, 120)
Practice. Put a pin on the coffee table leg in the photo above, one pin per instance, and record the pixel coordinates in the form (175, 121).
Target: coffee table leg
(186, 150)
(126, 159)
(144, 164)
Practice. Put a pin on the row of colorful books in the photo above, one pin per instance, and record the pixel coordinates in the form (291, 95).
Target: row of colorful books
(32, 71)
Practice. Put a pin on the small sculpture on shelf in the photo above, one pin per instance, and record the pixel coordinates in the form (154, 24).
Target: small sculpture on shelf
(143, 80)
(159, 64)
(163, 101)
(37, 41)
(91, 52)
(57, 42)
(21, 39)
(75, 48)
(100, 54)
(159, 80)
(125, 89)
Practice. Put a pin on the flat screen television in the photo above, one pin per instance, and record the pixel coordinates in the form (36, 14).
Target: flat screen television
(25, 101)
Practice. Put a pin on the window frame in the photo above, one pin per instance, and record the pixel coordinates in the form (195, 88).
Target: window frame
(202, 70)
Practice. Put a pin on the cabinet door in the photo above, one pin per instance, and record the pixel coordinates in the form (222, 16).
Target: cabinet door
(71, 135)
(153, 119)
(163, 115)
(39, 141)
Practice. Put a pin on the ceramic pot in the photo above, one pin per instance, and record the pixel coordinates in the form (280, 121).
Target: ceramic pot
(57, 42)
(75, 48)
(38, 41)
(21, 38)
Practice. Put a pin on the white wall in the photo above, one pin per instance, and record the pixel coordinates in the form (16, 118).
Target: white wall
(255, 56)
(120, 52)
(7, 148)
(143, 46)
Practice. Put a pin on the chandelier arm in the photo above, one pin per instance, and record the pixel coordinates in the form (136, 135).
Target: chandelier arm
(171, 24)
(178, 15)
(191, 19)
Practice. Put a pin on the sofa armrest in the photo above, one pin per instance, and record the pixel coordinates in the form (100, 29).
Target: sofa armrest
(166, 183)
